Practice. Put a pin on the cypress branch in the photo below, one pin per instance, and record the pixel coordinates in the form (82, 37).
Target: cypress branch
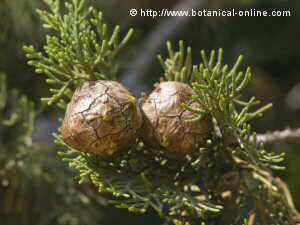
(81, 48)
(147, 176)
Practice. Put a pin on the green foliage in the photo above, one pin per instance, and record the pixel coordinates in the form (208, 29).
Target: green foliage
(141, 179)
(191, 189)
(81, 49)
(218, 92)
(16, 120)
(214, 185)
(177, 67)
(16, 127)
(31, 173)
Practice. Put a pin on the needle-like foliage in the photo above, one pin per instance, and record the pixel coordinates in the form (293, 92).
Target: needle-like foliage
(25, 166)
(218, 91)
(80, 48)
(223, 183)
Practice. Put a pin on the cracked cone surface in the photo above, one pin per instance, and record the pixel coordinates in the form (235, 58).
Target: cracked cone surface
(164, 123)
(102, 118)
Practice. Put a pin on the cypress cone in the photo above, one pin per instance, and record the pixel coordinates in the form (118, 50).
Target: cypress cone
(165, 124)
(102, 118)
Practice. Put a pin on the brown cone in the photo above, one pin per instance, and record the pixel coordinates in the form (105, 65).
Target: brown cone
(164, 123)
(102, 118)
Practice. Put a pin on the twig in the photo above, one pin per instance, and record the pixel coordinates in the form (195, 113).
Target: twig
(278, 136)
(275, 184)
(288, 199)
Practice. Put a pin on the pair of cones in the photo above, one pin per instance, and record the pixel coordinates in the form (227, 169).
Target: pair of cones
(104, 118)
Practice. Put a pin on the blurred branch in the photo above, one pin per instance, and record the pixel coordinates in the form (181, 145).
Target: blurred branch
(288, 198)
(277, 136)
(276, 188)
(134, 74)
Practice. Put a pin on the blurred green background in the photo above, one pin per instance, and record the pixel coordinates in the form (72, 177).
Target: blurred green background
(46, 192)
